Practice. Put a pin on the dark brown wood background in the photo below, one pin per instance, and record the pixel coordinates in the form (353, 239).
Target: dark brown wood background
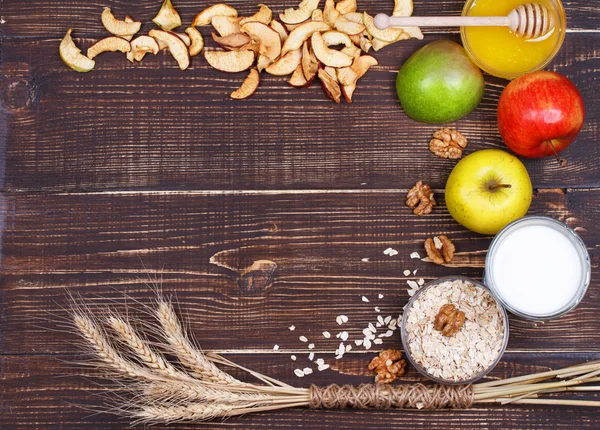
(142, 169)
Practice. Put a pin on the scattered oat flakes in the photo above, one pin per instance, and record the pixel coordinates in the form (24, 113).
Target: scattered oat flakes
(293, 357)
(407, 273)
(390, 252)
(420, 282)
(344, 336)
(377, 309)
(377, 341)
(275, 348)
(358, 342)
(323, 367)
(415, 255)
(292, 328)
(412, 284)
(380, 296)
(326, 334)
(365, 260)
(372, 328)
(311, 346)
(364, 299)
(311, 356)
(341, 319)
(380, 320)
(415, 272)
(299, 373)
(387, 319)
(303, 339)
(307, 370)
(320, 361)
(367, 344)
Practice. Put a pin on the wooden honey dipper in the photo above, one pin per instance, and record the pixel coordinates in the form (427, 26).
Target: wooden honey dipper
(530, 21)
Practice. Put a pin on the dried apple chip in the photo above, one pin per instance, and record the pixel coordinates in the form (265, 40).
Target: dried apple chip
(310, 64)
(285, 65)
(183, 36)
(263, 62)
(317, 15)
(403, 8)
(233, 42)
(330, 87)
(226, 25)
(176, 47)
(108, 44)
(391, 34)
(264, 15)
(327, 56)
(279, 28)
(197, 41)
(205, 17)
(330, 13)
(72, 56)
(331, 71)
(332, 38)
(304, 12)
(117, 27)
(346, 6)
(301, 33)
(167, 18)
(349, 27)
(269, 42)
(142, 45)
(248, 87)
(298, 80)
(230, 61)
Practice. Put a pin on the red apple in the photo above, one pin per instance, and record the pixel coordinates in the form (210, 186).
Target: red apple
(540, 114)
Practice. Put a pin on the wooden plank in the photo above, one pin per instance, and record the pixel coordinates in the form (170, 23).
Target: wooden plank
(153, 126)
(85, 16)
(98, 244)
(40, 392)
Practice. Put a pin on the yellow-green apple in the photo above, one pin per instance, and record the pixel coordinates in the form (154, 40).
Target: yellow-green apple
(540, 114)
(487, 190)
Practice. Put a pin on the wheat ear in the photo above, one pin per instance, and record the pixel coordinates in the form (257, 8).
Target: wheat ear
(186, 392)
(96, 339)
(180, 345)
(149, 357)
(171, 414)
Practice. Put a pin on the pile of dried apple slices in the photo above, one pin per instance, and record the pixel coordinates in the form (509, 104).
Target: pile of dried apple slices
(306, 43)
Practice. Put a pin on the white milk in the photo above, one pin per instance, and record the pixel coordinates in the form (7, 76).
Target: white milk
(536, 270)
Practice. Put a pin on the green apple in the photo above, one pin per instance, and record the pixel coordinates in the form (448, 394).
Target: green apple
(439, 83)
(488, 190)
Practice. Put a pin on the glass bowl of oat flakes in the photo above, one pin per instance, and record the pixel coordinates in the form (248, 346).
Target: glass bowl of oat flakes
(454, 331)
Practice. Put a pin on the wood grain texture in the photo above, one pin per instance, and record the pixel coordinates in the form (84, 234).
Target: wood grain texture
(153, 126)
(45, 393)
(84, 16)
(98, 244)
(129, 171)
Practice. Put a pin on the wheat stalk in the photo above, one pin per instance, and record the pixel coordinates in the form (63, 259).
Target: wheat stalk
(149, 357)
(165, 394)
(180, 345)
(95, 338)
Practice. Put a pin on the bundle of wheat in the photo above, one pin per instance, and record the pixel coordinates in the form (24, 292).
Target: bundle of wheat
(195, 389)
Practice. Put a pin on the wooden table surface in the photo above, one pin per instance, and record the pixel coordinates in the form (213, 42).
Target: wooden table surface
(144, 169)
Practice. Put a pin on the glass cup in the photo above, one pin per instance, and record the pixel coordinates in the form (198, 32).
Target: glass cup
(584, 268)
(420, 368)
(503, 54)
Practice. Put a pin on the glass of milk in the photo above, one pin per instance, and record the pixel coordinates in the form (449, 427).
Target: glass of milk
(538, 268)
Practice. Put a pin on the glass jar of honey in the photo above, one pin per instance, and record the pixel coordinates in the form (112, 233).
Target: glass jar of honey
(500, 52)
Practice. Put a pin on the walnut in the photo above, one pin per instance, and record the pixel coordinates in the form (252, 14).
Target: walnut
(422, 195)
(448, 143)
(440, 249)
(388, 366)
(449, 320)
